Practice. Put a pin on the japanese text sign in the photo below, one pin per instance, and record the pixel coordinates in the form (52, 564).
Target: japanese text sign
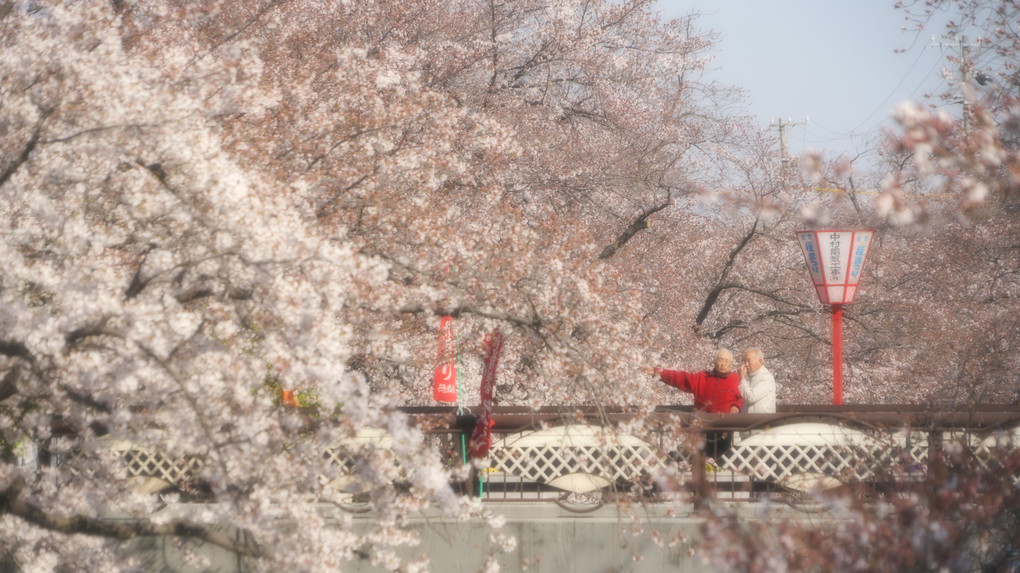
(835, 259)
(444, 380)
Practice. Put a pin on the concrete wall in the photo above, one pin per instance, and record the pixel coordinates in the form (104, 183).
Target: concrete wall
(555, 540)
(634, 538)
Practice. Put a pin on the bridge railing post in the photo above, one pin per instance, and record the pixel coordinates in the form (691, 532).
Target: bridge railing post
(699, 474)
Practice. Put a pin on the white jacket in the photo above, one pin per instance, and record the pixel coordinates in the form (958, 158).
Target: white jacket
(759, 392)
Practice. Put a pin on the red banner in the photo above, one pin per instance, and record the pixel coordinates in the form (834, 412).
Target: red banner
(481, 438)
(444, 385)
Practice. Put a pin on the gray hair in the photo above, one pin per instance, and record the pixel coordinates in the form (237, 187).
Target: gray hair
(757, 353)
(723, 351)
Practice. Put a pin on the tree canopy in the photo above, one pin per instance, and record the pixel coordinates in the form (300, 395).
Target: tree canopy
(203, 203)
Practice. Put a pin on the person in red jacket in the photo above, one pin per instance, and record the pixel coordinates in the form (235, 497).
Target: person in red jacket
(715, 391)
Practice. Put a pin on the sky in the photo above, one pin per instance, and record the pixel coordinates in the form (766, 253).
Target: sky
(829, 66)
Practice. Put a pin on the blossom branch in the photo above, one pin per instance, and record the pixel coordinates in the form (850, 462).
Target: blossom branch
(12, 504)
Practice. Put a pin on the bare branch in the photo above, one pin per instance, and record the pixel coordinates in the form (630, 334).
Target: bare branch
(26, 152)
(16, 349)
(326, 208)
(193, 294)
(81, 333)
(721, 285)
(8, 385)
(639, 224)
(231, 36)
(534, 323)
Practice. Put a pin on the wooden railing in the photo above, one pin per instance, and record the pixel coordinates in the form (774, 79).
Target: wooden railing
(583, 457)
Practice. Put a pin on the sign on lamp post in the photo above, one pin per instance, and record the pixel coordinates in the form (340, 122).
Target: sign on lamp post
(835, 259)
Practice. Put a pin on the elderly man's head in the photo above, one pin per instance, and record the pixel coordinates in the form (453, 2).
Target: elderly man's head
(753, 359)
(723, 362)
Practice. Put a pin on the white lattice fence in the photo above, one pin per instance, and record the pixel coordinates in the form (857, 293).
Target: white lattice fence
(805, 454)
(985, 448)
(582, 458)
(345, 454)
(142, 462)
(371, 445)
(154, 464)
(575, 457)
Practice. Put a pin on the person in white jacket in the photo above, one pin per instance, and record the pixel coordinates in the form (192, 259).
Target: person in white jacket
(757, 385)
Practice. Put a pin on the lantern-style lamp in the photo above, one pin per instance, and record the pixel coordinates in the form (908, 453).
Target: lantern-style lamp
(835, 259)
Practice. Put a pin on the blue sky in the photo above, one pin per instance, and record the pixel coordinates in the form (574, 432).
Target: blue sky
(833, 63)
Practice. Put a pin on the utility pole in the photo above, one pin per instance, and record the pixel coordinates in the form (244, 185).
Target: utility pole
(965, 73)
(782, 126)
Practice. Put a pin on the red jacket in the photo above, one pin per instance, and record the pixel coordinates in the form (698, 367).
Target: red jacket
(712, 393)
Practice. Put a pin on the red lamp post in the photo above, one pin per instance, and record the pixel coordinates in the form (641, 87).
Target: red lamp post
(835, 259)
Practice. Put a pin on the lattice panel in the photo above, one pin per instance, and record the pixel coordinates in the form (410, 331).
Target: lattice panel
(775, 463)
(367, 442)
(340, 457)
(154, 464)
(986, 450)
(823, 449)
(346, 458)
(544, 455)
(916, 447)
(138, 461)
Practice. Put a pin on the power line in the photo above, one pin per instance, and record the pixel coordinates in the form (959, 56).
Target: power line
(854, 131)
(893, 92)
(839, 135)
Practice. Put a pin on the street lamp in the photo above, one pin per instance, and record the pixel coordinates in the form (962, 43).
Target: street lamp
(835, 259)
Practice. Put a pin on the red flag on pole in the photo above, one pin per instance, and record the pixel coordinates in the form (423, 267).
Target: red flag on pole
(481, 438)
(444, 386)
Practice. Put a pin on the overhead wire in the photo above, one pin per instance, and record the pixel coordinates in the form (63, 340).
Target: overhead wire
(893, 92)
(839, 135)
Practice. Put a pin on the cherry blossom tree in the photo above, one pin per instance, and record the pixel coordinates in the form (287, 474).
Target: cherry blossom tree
(596, 117)
(206, 202)
(192, 219)
(153, 280)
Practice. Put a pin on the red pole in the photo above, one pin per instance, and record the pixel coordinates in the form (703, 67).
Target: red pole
(837, 354)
